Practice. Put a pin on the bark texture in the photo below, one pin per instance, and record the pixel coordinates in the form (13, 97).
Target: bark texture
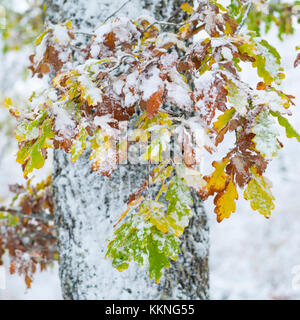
(87, 205)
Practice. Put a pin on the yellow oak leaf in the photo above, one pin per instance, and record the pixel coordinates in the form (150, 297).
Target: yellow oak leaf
(217, 181)
(225, 201)
(259, 193)
(153, 211)
(223, 119)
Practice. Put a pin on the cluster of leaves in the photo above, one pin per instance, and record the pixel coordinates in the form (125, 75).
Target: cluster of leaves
(137, 84)
(265, 13)
(28, 233)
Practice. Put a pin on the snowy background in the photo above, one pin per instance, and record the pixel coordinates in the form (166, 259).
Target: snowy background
(250, 257)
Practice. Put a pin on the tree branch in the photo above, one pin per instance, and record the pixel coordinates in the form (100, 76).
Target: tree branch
(244, 18)
(122, 6)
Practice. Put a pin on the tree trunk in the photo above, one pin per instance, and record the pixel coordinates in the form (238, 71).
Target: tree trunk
(87, 205)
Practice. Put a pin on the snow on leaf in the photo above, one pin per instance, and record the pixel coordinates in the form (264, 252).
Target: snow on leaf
(29, 130)
(138, 240)
(31, 155)
(61, 34)
(117, 31)
(259, 193)
(268, 63)
(150, 82)
(210, 94)
(89, 91)
(178, 91)
(264, 57)
(161, 172)
(180, 201)
(191, 177)
(79, 145)
(237, 97)
(225, 201)
(275, 99)
(266, 135)
(153, 211)
(159, 144)
(104, 154)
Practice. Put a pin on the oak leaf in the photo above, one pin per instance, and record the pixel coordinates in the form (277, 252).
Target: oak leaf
(225, 201)
(217, 181)
(259, 193)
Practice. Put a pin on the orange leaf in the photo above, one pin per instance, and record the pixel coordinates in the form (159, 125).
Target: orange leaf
(110, 41)
(12, 268)
(28, 281)
(153, 104)
(261, 86)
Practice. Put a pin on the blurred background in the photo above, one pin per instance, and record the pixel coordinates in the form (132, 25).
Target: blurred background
(250, 257)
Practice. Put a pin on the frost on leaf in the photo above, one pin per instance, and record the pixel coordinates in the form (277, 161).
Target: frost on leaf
(32, 154)
(179, 207)
(237, 97)
(210, 94)
(266, 135)
(78, 145)
(140, 241)
(153, 211)
(192, 178)
(263, 56)
(52, 49)
(259, 193)
(104, 154)
(240, 164)
(162, 83)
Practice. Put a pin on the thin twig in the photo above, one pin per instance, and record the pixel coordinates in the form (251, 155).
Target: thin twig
(123, 58)
(166, 24)
(244, 18)
(133, 205)
(85, 33)
(122, 6)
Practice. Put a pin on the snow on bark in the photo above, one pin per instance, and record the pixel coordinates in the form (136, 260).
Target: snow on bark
(87, 205)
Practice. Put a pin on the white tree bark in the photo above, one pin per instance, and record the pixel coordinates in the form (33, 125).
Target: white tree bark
(87, 205)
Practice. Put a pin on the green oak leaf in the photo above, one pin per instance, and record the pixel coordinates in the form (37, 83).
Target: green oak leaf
(140, 241)
(180, 201)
